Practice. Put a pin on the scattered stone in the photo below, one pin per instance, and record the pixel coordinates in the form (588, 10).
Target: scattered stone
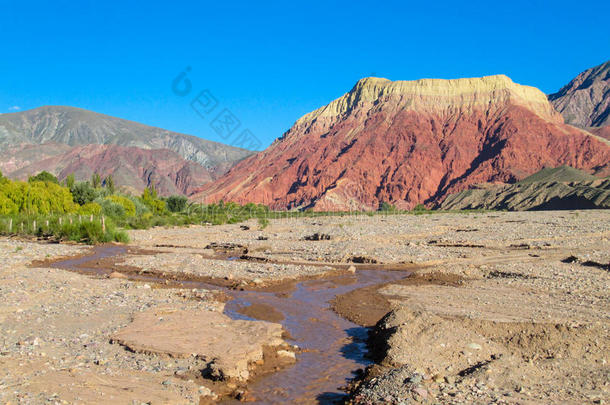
(317, 236)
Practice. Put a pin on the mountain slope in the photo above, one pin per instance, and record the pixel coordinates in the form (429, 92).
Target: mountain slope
(75, 126)
(66, 139)
(559, 188)
(585, 101)
(130, 167)
(410, 142)
(561, 174)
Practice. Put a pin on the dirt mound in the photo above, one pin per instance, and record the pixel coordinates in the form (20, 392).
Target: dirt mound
(479, 360)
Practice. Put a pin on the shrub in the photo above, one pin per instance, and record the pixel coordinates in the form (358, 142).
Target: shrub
(176, 203)
(263, 223)
(62, 227)
(141, 208)
(149, 197)
(386, 206)
(420, 207)
(128, 205)
(91, 232)
(90, 209)
(111, 209)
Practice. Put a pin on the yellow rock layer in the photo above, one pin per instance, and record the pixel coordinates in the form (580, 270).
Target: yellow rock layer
(439, 94)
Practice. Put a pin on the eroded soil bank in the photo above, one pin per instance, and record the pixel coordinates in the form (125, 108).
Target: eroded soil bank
(508, 308)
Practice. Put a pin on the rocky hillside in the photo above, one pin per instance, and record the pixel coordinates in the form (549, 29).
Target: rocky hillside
(66, 138)
(585, 101)
(131, 167)
(410, 142)
(550, 189)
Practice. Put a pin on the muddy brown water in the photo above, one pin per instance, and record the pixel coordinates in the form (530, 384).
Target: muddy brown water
(333, 348)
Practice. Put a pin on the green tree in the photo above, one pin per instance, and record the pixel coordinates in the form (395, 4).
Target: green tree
(149, 197)
(96, 180)
(70, 181)
(176, 203)
(83, 193)
(35, 197)
(109, 183)
(44, 176)
(90, 209)
(128, 205)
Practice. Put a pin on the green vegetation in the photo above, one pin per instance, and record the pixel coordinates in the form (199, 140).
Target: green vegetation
(263, 223)
(34, 197)
(77, 228)
(44, 176)
(386, 206)
(176, 203)
(94, 212)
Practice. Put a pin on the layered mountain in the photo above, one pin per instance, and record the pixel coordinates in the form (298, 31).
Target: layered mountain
(550, 189)
(132, 168)
(58, 138)
(585, 101)
(410, 142)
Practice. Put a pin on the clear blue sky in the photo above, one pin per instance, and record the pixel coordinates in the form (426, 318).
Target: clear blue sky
(271, 62)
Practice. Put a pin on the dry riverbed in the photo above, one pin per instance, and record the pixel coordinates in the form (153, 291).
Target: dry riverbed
(508, 308)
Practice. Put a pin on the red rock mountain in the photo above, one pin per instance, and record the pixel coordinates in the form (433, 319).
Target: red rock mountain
(410, 142)
(131, 167)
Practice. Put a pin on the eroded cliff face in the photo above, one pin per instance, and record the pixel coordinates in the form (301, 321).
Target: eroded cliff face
(410, 142)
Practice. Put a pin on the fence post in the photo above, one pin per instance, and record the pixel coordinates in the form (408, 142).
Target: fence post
(59, 221)
(103, 225)
(22, 227)
(34, 225)
(10, 225)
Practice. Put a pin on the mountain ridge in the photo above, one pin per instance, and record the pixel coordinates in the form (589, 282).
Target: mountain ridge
(53, 138)
(76, 126)
(408, 143)
(585, 100)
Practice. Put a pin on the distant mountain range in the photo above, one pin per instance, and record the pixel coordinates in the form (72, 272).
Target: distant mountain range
(411, 142)
(67, 139)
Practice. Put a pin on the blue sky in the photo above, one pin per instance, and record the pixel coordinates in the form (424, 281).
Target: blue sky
(271, 62)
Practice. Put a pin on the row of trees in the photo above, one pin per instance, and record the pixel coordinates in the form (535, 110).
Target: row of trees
(43, 194)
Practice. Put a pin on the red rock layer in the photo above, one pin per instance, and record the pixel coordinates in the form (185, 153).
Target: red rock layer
(408, 143)
(132, 167)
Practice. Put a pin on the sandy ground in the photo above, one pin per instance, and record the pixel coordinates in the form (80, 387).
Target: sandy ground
(509, 307)
(71, 338)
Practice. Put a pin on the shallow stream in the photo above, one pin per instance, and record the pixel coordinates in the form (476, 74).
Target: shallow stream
(333, 348)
